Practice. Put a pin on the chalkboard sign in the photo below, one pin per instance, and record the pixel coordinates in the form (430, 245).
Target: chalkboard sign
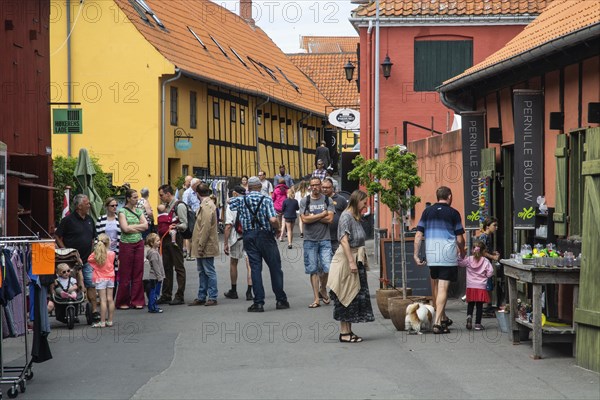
(417, 277)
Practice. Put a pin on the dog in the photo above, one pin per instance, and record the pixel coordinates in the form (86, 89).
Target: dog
(418, 317)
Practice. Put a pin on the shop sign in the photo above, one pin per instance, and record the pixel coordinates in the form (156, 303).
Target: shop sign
(67, 120)
(345, 118)
(473, 133)
(183, 145)
(529, 161)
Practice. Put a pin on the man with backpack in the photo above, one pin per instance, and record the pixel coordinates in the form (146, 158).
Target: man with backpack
(234, 247)
(316, 212)
(172, 252)
(260, 225)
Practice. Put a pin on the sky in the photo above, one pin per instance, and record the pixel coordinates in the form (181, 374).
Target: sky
(286, 20)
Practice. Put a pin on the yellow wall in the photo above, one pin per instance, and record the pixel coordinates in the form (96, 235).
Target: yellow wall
(115, 75)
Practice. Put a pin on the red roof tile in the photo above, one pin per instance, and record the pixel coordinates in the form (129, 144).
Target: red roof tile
(327, 72)
(561, 18)
(178, 45)
(412, 8)
(329, 44)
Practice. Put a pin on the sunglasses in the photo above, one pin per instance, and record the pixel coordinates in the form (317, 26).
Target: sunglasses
(112, 205)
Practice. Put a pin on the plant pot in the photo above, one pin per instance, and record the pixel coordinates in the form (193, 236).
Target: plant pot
(383, 295)
(397, 309)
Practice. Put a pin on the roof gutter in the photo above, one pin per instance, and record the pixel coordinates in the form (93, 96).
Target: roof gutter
(238, 89)
(445, 20)
(465, 101)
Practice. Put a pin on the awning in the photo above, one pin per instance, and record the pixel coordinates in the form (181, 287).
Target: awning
(36, 186)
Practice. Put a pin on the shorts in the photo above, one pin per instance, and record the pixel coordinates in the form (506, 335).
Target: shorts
(237, 250)
(444, 273)
(317, 256)
(290, 220)
(87, 275)
(104, 284)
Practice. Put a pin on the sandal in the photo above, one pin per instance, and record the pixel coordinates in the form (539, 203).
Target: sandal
(352, 338)
(439, 329)
(109, 323)
(325, 299)
(447, 322)
(314, 305)
(98, 325)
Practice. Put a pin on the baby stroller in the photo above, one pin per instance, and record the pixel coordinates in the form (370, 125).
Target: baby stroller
(67, 310)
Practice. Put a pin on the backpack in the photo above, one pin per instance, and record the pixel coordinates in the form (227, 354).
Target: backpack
(308, 203)
(238, 225)
(191, 217)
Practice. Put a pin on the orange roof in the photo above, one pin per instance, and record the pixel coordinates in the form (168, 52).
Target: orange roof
(327, 72)
(408, 8)
(329, 44)
(233, 53)
(561, 18)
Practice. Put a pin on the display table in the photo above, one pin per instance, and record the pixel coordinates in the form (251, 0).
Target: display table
(539, 276)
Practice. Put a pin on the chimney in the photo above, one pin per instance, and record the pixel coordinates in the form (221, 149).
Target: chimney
(246, 12)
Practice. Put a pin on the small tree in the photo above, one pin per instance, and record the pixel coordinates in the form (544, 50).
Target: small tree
(391, 179)
(63, 168)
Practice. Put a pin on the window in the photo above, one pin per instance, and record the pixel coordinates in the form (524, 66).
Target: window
(173, 106)
(216, 111)
(193, 111)
(233, 113)
(437, 61)
(242, 116)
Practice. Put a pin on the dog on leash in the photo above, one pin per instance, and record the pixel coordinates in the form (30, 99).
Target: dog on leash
(418, 317)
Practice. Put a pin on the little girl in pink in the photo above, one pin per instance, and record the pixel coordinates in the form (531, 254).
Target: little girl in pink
(102, 261)
(479, 269)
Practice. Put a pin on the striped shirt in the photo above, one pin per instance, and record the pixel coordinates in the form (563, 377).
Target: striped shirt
(112, 229)
(264, 212)
(441, 224)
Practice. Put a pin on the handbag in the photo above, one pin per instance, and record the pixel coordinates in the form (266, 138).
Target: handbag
(490, 284)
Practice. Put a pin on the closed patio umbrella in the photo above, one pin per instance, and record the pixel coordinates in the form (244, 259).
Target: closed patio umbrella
(84, 174)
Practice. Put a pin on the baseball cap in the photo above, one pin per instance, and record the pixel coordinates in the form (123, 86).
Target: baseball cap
(254, 181)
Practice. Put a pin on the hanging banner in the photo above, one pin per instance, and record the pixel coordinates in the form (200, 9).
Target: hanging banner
(529, 161)
(473, 134)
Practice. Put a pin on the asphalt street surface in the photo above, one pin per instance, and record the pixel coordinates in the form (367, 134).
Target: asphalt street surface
(224, 352)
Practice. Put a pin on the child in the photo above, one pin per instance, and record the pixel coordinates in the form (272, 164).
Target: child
(279, 195)
(289, 208)
(165, 221)
(102, 262)
(153, 272)
(65, 286)
(479, 269)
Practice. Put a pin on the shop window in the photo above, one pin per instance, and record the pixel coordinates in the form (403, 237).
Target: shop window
(193, 111)
(439, 60)
(173, 106)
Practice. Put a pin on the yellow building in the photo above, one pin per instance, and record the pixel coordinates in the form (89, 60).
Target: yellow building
(171, 88)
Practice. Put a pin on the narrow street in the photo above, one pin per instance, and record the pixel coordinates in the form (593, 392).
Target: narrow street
(226, 352)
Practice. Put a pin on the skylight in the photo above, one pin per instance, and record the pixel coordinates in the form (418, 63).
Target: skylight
(197, 38)
(256, 64)
(238, 57)
(141, 12)
(219, 46)
(269, 71)
(149, 11)
(288, 79)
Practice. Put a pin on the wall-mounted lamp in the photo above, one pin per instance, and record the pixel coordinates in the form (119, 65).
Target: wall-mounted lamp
(386, 65)
(349, 70)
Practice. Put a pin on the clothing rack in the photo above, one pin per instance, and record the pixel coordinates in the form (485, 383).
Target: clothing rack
(16, 376)
(220, 188)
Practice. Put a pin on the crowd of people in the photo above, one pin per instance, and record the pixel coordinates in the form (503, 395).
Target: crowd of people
(124, 253)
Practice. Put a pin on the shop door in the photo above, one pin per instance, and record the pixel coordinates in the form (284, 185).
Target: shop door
(586, 314)
(506, 219)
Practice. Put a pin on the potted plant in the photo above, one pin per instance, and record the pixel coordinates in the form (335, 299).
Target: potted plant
(391, 179)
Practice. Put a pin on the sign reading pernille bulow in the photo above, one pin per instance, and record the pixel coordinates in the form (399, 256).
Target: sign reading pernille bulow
(473, 133)
(67, 120)
(529, 156)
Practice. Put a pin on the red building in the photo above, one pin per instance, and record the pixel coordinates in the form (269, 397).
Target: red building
(428, 43)
(25, 116)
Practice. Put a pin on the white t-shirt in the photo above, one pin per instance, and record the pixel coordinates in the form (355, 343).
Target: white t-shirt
(267, 187)
(230, 217)
(64, 282)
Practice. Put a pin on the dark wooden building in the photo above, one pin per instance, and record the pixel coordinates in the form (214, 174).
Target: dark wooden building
(25, 115)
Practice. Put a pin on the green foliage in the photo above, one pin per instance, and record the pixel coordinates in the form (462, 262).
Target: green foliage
(390, 178)
(63, 169)
(177, 183)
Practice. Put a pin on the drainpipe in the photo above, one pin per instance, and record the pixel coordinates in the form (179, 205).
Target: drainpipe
(301, 143)
(69, 70)
(256, 129)
(163, 130)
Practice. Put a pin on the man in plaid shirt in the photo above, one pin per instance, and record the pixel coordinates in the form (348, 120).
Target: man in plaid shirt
(259, 222)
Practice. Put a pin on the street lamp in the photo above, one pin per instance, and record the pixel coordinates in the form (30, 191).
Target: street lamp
(349, 70)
